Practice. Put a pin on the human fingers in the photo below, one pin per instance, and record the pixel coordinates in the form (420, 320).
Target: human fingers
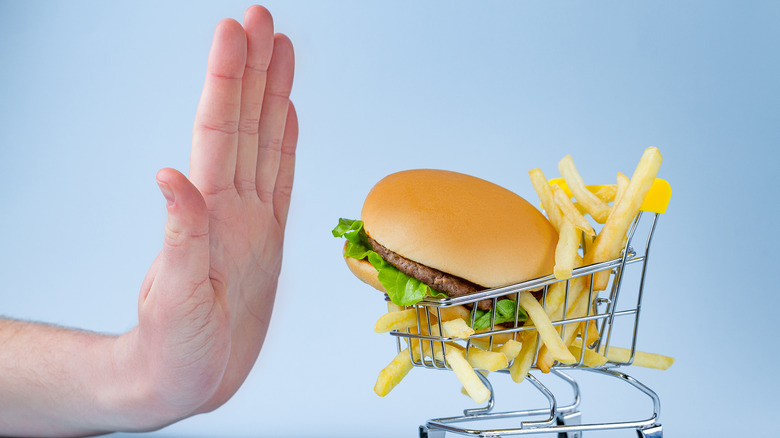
(274, 114)
(259, 28)
(284, 179)
(215, 133)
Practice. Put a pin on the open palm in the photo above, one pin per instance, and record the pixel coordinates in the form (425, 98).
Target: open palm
(206, 302)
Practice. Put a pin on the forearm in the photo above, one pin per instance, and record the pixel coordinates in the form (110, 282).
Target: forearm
(62, 382)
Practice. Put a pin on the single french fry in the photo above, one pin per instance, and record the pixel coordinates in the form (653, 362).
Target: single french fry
(483, 372)
(592, 334)
(393, 307)
(607, 193)
(641, 358)
(544, 360)
(590, 359)
(465, 373)
(622, 185)
(432, 349)
(484, 341)
(587, 243)
(457, 328)
(566, 250)
(450, 313)
(582, 210)
(487, 360)
(576, 307)
(393, 373)
(421, 348)
(579, 308)
(546, 330)
(556, 295)
(570, 212)
(610, 240)
(597, 208)
(396, 321)
(524, 359)
(543, 190)
(510, 349)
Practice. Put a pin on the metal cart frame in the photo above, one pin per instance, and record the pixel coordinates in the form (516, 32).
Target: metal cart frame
(604, 311)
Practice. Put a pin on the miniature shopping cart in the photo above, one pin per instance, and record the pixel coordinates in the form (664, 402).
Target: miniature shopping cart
(613, 314)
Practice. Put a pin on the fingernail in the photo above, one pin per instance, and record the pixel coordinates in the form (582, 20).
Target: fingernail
(167, 192)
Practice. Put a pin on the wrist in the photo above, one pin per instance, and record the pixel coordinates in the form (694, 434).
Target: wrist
(132, 400)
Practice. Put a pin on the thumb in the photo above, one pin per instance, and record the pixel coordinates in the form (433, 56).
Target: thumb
(184, 260)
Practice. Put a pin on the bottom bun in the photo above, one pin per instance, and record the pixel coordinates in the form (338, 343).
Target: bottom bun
(363, 270)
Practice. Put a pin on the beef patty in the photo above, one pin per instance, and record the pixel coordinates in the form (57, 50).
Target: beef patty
(451, 285)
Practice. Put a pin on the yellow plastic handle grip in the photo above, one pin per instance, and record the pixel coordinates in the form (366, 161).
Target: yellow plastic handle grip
(656, 201)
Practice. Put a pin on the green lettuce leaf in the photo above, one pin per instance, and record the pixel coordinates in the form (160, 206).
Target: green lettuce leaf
(405, 290)
(505, 312)
(401, 288)
(357, 244)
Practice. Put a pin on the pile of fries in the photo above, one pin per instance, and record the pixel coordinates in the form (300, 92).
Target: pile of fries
(434, 335)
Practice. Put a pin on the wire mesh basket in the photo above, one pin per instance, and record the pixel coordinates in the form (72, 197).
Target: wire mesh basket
(609, 326)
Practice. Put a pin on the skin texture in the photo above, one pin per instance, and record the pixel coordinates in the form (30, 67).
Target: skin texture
(206, 301)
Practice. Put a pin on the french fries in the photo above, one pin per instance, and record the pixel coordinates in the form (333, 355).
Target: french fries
(598, 209)
(566, 250)
(483, 342)
(397, 320)
(577, 307)
(393, 373)
(453, 356)
(543, 190)
(487, 360)
(546, 330)
(570, 212)
(609, 241)
(525, 359)
(450, 313)
(608, 192)
(393, 307)
(510, 349)
(590, 358)
(556, 295)
(457, 328)
(441, 336)
(622, 184)
(590, 331)
(641, 358)
(467, 376)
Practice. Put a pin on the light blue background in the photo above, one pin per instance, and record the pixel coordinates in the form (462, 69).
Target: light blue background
(95, 97)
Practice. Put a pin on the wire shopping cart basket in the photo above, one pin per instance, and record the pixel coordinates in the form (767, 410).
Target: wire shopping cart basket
(608, 327)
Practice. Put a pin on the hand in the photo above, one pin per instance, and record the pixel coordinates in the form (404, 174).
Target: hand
(206, 302)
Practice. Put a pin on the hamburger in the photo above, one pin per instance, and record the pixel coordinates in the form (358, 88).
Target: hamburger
(437, 233)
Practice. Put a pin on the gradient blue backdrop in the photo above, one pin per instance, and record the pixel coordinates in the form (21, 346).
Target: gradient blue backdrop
(95, 97)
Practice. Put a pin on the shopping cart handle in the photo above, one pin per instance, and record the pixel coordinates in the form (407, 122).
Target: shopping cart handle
(656, 201)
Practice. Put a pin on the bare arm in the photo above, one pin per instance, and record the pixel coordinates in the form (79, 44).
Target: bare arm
(206, 302)
(56, 380)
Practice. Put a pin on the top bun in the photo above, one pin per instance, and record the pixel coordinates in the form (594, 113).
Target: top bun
(462, 225)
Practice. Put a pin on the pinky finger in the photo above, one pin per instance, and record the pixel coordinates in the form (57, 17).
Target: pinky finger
(284, 178)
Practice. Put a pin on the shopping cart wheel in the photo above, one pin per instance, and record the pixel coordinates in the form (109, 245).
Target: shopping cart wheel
(428, 433)
(654, 431)
(569, 419)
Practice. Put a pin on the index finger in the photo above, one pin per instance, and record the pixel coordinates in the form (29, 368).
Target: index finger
(215, 133)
